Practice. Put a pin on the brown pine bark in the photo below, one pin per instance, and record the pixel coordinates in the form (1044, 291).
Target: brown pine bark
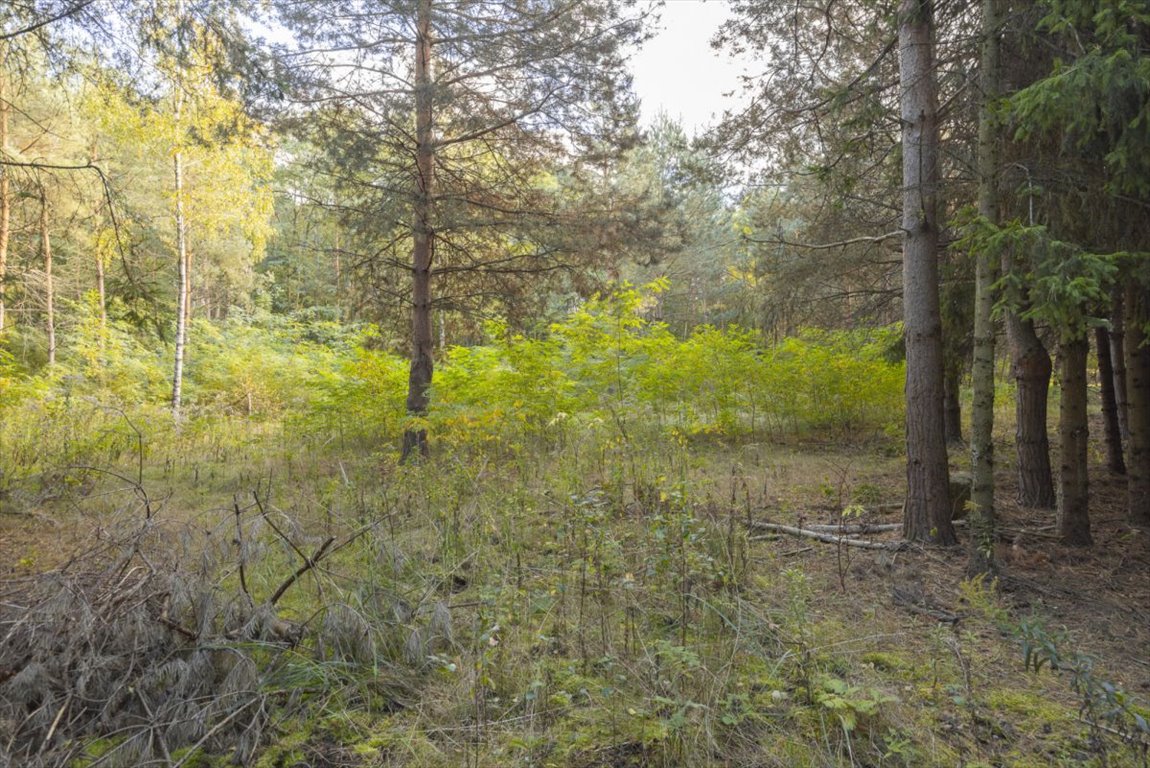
(1031, 368)
(952, 406)
(1073, 479)
(1138, 391)
(1118, 359)
(422, 364)
(926, 516)
(1112, 430)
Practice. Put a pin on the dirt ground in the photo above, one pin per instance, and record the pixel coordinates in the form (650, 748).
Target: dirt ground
(1099, 595)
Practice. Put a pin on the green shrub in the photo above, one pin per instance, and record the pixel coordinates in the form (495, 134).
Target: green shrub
(606, 370)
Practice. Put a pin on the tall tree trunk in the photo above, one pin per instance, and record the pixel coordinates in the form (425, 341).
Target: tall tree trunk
(182, 276)
(982, 515)
(103, 299)
(1138, 390)
(181, 285)
(926, 516)
(101, 294)
(1031, 368)
(419, 379)
(952, 405)
(1073, 480)
(1118, 359)
(1112, 430)
(187, 283)
(5, 190)
(49, 288)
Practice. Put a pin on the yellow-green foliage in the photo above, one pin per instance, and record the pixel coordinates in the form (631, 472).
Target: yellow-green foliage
(15, 383)
(361, 393)
(257, 366)
(608, 364)
(606, 369)
(837, 380)
(109, 358)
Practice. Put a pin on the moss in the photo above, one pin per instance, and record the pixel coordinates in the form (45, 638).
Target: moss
(407, 745)
(194, 757)
(885, 662)
(287, 749)
(785, 750)
(347, 725)
(1031, 708)
(936, 754)
(1048, 732)
(95, 750)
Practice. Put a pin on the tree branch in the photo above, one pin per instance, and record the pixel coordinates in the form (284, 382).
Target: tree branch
(874, 239)
(826, 537)
(45, 22)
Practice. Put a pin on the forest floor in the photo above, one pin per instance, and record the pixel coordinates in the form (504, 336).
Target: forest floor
(615, 606)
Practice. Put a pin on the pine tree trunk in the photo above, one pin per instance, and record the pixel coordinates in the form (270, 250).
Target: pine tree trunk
(952, 405)
(1138, 390)
(49, 288)
(1112, 431)
(982, 516)
(422, 365)
(1118, 359)
(1073, 480)
(1031, 368)
(926, 516)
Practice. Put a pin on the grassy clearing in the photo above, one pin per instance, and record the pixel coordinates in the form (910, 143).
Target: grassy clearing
(600, 603)
(569, 581)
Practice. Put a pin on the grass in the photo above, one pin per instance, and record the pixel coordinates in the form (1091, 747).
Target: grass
(594, 603)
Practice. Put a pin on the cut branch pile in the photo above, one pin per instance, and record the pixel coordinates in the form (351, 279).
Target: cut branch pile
(115, 645)
(125, 657)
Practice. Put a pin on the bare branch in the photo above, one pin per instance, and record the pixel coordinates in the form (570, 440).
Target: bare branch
(51, 19)
(828, 246)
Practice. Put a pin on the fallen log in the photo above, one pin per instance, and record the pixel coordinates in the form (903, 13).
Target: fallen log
(827, 537)
(853, 528)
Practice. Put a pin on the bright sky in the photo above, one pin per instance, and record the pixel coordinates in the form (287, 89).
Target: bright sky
(678, 72)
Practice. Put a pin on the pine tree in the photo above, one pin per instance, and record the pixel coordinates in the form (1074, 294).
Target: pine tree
(452, 111)
(926, 516)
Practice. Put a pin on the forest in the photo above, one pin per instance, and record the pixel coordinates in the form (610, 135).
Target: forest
(383, 384)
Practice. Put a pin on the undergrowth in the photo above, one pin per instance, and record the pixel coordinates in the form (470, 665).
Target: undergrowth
(567, 582)
(607, 371)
